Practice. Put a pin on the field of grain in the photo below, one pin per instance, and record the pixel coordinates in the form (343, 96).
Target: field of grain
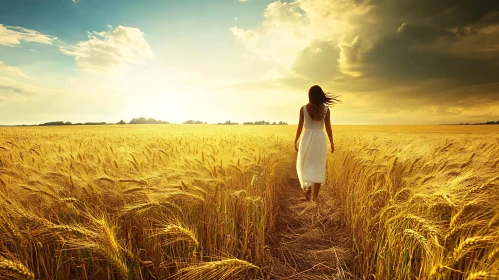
(222, 202)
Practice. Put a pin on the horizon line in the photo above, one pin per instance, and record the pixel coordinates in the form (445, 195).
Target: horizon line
(242, 124)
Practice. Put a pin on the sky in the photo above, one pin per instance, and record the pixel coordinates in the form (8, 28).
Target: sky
(391, 62)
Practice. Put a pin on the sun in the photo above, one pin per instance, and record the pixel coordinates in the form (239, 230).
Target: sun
(153, 92)
(166, 107)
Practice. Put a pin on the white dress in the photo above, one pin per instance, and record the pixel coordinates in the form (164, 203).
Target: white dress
(311, 162)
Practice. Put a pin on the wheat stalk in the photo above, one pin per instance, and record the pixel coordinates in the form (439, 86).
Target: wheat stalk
(176, 233)
(113, 258)
(225, 269)
(13, 230)
(142, 189)
(77, 230)
(109, 235)
(143, 207)
(441, 270)
(494, 220)
(493, 255)
(421, 239)
(481, 275)
(140, 182)
(106, 179)
(488, 184)
(40, 192)
(13, 268)
(457, 216)
(469, 244)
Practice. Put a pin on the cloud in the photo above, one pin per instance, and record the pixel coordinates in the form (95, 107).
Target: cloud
(14, 35)
(426, 39)
(445, 14)
(12, 70)
(400, 54)
(11, 89)
(110, 50)
(425, 34)
(379, 37)
(15, 89)
(291, 28)
(280, 37)
(318, 62)
(75, 1)
(393, 57)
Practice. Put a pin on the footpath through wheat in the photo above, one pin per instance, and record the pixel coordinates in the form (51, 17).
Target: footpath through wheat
(310, 240)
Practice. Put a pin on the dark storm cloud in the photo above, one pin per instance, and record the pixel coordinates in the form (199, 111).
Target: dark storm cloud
(425, 34)
(443, 13)
(405, 51)
(444, 25)
(423, 95)
(395, 57)
(417, 53)
(387, 57)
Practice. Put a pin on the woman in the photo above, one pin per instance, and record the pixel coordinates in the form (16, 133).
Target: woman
(311, 162)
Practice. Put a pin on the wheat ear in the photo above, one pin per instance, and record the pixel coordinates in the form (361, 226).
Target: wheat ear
(9, 268)
(225, 269)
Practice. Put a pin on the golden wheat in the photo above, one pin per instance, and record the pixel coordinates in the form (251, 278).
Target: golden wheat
(440, 190)
(469, 244)
(394, 189)
(481, 275)
(225, 269)
(176, 233)
(14, 269)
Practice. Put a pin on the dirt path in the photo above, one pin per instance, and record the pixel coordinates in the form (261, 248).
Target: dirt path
(310, 241)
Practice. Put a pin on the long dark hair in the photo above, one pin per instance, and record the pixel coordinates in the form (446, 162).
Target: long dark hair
(320, 100)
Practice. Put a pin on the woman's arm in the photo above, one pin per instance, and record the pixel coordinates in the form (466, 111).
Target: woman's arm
(328, 129)
(299, 129)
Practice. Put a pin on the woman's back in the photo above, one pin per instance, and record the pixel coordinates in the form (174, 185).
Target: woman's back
(309, 122)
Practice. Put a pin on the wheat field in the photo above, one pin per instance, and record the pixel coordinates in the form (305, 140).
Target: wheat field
(222, 202)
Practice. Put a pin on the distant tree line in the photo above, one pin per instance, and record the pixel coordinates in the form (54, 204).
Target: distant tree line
(490, 122)
(228, 123)
(264, 123)
(140, 120)
(253, 123)
(194, 122)
(143, 120)
(70, 123)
